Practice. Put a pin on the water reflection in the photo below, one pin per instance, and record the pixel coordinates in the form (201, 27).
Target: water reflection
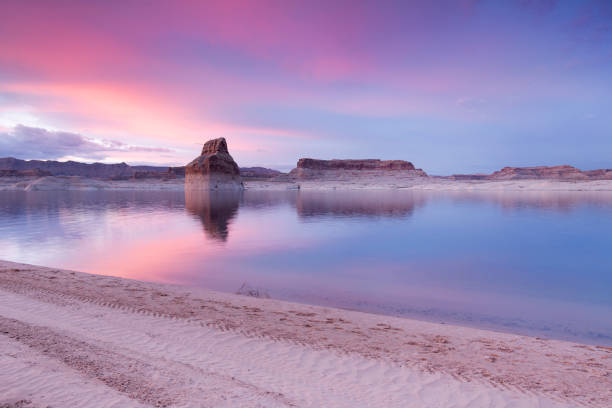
(214, 209)
(395, 204)
(268, 199)
(527, 262)
(558, 201)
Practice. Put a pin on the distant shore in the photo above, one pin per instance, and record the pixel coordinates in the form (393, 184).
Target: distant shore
(75, 339)
(311, 174)
(366, 182)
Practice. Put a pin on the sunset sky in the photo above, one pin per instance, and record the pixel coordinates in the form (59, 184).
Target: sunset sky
(453, 86)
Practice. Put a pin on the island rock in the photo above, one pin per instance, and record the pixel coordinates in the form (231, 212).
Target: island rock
(214, 169)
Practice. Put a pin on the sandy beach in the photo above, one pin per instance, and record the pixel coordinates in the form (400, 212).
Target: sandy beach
(81, 340)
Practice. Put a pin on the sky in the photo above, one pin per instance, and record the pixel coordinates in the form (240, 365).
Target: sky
(453, 86)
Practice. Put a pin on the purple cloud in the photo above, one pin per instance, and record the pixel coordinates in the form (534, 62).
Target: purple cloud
(26, 142)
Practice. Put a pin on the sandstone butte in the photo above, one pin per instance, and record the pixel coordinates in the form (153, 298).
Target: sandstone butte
(214, 169)
(312, 168)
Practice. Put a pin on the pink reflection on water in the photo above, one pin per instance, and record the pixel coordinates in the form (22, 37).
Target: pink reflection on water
(453, 257)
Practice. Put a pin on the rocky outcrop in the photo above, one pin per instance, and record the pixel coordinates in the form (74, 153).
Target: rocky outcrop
(258, 173)
(214, 169)
(69, 168)
(10, 167)
(540, 172)
(564, 173)
(599, 174)
(308, 169)
(170, 173)
(153, 172)
(119, 171)
(367, 164)
(24, 173)
(466, 177)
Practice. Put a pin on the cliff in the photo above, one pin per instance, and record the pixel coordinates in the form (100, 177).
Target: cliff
(367, 164)
(313, 168)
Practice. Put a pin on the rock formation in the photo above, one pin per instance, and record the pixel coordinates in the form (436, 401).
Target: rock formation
(69, 168)
(565, 173)
(10, 166)
(258, 173)
(367, 164)
(519, 173)
(214, 169)
(119, 171)
(313, 168)
(547, 172)
(24, 173)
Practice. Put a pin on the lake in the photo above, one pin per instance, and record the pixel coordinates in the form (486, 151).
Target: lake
(537, 263)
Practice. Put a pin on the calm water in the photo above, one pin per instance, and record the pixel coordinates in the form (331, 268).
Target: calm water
(535, 263)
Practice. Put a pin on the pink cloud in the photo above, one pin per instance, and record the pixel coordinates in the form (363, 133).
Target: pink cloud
(176, 73)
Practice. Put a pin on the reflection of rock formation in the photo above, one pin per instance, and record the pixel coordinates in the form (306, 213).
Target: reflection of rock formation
(403, 203)
(358, 203)
(558, 201)
(268, 198)
(215, 209)
(214, 169)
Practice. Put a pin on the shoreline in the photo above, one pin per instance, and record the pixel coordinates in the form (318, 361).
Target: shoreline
(275, 353)
(381, 182)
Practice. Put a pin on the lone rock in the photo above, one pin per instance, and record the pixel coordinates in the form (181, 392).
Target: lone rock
(214, 169)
